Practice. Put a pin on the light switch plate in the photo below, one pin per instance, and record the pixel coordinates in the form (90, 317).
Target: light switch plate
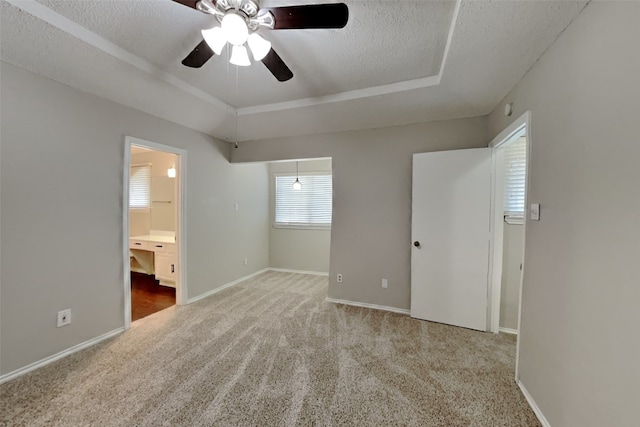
(535, 212)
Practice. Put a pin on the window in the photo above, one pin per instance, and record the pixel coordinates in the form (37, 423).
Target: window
(514, 180)
(139, 187)
(308, 207)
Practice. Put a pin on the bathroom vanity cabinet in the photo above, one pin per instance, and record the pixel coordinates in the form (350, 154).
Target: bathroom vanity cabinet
(156, 255)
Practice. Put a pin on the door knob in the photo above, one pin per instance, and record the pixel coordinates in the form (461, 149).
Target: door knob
(416, 244)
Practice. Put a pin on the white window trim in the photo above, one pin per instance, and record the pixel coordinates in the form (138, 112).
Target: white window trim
(294, 226)
(297, 226)
(516, 219)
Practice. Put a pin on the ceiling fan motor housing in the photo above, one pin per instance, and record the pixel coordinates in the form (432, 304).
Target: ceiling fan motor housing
(249, 10)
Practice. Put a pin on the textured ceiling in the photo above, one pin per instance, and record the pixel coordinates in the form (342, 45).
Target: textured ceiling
(396, 62)
(413, 41)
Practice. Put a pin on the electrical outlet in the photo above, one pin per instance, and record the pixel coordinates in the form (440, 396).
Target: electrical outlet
(246, 261)
(384, 283)
(339, 278)
(64, 317)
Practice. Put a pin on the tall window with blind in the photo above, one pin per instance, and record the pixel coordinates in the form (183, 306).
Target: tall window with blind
(514, 181)
(308, 207)
(140, 187)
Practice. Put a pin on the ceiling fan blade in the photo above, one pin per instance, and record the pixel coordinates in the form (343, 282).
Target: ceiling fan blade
(198, 56)
(334, 15)
(188, 3)
(276, 65)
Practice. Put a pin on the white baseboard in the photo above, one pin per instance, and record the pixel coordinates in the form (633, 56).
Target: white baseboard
(225, 286)
(366, 305)
(60, 355)
(35, 365)
(533, 405)
(286, 270)
(508, 331)
(242, 279)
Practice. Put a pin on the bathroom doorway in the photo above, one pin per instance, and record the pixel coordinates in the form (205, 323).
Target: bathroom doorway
(153, 228)
(511, 154)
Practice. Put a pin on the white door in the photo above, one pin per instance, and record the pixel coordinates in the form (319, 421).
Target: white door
(450, 233)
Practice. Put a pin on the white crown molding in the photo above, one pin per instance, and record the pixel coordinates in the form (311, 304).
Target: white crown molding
(63, 23)
(45, 14)
(366, 92)
(452, 26)
(343, 96)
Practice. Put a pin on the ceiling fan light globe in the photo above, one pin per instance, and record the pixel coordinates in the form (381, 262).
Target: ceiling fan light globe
(259, 46)
(240, 57)
(215, 39)
(235, 29)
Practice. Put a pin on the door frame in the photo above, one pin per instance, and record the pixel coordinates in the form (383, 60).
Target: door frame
(181, 224)
(497, 188)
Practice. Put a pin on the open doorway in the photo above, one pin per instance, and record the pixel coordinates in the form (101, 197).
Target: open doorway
(510, 157)
(153, 228)
(513, 155)
(300, 215)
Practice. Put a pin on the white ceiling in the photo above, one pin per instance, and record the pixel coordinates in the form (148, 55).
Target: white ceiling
(396, 62)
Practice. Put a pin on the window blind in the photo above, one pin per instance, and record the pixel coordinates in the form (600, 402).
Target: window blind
(309, 206)
(140, 187)
(514, 178)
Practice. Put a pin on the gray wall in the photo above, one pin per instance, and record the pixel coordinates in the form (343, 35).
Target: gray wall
(371, 230)
(297, 249)
(62, 170)
(510, 290)
(579, 333)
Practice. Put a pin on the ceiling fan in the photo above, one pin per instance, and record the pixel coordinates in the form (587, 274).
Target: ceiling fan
(239, 21)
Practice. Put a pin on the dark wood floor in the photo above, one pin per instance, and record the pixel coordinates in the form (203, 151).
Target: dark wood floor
(148, 297)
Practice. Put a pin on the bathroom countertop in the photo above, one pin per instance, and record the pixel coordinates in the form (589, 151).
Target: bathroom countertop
(154, 238)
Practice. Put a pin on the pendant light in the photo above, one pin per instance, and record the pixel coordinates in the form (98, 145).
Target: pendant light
(297, 185)
(171, 172)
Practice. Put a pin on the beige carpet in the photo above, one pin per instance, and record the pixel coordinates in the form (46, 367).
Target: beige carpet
(270, 351)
